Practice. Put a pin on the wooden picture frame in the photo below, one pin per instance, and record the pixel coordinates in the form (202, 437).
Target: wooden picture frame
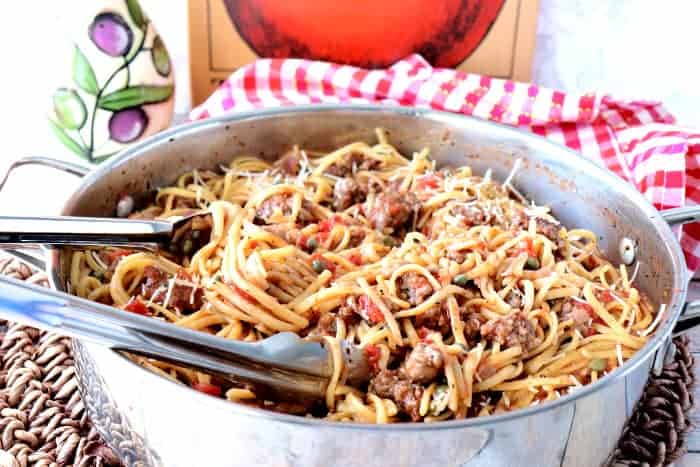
(217, 49)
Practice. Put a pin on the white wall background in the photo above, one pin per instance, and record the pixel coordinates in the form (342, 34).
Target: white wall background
(634, 48)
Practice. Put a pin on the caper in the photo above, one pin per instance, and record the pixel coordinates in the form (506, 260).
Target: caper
(461, 280)
(532, 263)
(311, 244)
(598, 364)
(318, 266)
(196, 234)
(187, 246)
(388, 241)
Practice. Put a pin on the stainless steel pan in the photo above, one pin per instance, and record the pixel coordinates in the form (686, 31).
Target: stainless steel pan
(152, 421)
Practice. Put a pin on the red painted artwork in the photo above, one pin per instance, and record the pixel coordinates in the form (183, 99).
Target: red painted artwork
(367, 33)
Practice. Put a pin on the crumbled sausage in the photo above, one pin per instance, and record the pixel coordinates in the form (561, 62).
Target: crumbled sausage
(577, 312)
(300, 407)
(435, 318)
(351, 162)
(357, 235)
(511, 330)
(390, 210)
(415, 288)
(470, 215)
(514, 300)
(517, 219)
(155, 278)
(423, 364)
(279, 204)
(289, 163)
(485, 371)
(347, 192)
(149, 213)
(182, 296)
(185, 295)
(364, 308)
(183, 202)
(325, 326)
(472, 324)
(286, 232)
(390, 385)
(548, 229)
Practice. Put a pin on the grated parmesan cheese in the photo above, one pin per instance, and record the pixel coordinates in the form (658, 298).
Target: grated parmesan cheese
(98, 260)
(618, 351)
(171, 284)
(333, 177)
(634, 273)
(575, 380)
(196, 178)
(304, 170)
(657, 320)
(155, 293)
(509, 178)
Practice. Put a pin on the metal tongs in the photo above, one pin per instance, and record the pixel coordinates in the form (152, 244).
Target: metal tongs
(283, 365)
(92, 231)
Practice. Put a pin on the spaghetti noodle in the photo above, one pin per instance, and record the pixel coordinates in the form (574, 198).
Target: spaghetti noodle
(467, 299)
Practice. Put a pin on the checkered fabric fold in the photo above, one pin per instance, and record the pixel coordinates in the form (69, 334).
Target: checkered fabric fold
(637, 140)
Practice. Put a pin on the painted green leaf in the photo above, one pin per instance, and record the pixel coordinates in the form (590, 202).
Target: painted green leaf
(67, 141)
(136, 13)
(103, 157)
(160, 58)
(83, 74)
(134, 96)
(69, 109)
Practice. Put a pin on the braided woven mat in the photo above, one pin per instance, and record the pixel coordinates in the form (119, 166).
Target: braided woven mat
(43, 422)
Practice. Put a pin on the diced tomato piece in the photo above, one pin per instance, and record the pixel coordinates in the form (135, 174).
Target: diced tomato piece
(526, 246)
(323, 236)
(606, 297)
(355, 259)
(253, 244)
(371, 310)
(431, 181)
(373, 354)
(423, 333)
(591, 262)
(303, 239)
(443, 279)
(134, 305)
(206, 388)
(588, 308)
(243, 294)
(589, 331)
(328, 224)
(116, 255)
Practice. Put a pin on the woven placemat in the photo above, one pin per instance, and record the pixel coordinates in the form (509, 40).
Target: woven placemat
(43, 421)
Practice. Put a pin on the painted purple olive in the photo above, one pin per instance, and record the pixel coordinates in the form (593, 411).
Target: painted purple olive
(111, 34)
(127, 125)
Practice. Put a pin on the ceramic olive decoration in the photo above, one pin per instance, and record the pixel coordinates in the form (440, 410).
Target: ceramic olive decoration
(121, 84)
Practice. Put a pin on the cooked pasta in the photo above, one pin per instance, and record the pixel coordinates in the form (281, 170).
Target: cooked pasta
(467, 299)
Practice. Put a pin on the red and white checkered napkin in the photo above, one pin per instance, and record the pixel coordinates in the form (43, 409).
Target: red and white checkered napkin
(635, 139)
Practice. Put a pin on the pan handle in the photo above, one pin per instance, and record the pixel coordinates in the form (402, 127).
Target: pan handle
(34, 257)
(68, 167)
(690, 317)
